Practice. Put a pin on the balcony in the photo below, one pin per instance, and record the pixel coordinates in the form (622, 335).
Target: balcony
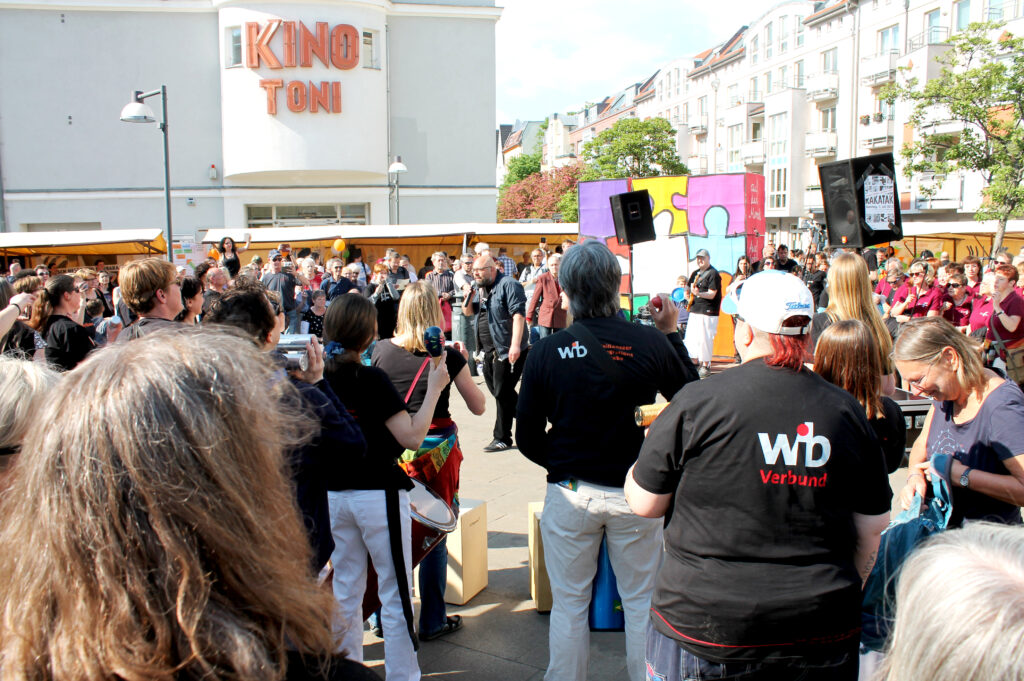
(1002, 10)
(929, 194)
(821, 144)
(880, 69)
(698, 124)
(822, 87)
(936, 35)
(813, 200)
(753, 153)
(698, 165)
(877, 133)
(755, 97)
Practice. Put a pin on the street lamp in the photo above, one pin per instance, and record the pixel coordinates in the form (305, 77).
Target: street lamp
(137, 111)
(396, 169)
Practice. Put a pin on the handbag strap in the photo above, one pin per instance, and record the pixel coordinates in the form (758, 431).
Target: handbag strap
(416, 379)
(595, 349)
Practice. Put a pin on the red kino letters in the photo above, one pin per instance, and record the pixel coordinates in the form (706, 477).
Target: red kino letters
(337, 47)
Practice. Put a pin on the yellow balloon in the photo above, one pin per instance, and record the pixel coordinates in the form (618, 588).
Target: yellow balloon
(339, 245)
(214, 253)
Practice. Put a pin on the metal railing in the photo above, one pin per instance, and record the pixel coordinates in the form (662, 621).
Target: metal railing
(936, 35)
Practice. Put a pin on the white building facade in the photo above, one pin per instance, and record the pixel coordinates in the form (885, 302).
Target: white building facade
(800, 86)
(279, 113)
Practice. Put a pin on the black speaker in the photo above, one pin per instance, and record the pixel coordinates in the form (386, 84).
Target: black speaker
(862, 202)
(631, 212)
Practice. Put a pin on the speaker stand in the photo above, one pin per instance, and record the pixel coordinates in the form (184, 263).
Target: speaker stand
(632, 312)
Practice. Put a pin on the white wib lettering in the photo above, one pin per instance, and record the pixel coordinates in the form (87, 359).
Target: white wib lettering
(574, 350)
(805, 435)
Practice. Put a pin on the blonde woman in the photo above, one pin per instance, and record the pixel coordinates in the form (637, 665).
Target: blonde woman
(436, 462)
(151, 531)
(919, 296)
(850, 297)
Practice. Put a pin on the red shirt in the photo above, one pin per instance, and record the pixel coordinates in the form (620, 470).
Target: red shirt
(1013, 306)
(957, 315)
(981, 312)
(972, 289)
(930, 300)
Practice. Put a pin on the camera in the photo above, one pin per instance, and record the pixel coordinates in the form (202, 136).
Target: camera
(293, 347)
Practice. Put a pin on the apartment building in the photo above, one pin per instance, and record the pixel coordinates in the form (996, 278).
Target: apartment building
(800, 85)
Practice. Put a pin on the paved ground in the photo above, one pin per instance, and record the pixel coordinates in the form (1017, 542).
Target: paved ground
(503, 636)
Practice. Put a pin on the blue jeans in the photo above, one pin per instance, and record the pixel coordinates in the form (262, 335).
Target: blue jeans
(433, 581)
(545, 331)
(666, 660)
(294, 318)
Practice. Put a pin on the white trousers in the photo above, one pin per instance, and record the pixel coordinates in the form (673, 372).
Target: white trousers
(572, 525)
(700, 336)
(359, 524)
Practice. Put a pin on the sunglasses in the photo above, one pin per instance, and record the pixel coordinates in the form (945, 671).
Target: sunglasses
(955, 285)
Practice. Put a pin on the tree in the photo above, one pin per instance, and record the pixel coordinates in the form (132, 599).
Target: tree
(979, 86)
(633, 148)
(520, 167)
(569, 205)
(539, 195)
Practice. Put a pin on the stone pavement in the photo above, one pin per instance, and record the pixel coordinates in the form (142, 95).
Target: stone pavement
(502, 636)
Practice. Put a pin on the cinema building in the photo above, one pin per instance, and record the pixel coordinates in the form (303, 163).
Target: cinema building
(278, 113)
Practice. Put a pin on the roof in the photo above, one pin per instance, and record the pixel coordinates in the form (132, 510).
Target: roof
(646, 89)
(731, 49)
(88, 242)
(824, 13)
(513, 140)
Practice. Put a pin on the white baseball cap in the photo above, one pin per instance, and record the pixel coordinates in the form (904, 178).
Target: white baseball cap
(768, 299)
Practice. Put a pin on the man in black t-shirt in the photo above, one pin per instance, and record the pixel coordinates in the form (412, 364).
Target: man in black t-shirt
(776, 492)
(706, 292)
(585, 382)
(283, 283)
(783, 263)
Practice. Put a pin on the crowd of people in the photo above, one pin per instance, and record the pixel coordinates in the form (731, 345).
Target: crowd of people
(194, 505)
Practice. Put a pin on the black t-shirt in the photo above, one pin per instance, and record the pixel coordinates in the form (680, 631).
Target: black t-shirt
(371, 399)
(284, 284)
(231, 264)
(787, 266)
(870, 256)
(891, 430)
(768, 467)
(815, 282)
(337, 669)
(484, 340)
(19, 342)
(593, 436)
(707, 280)
(401, 366)
(67, 342)
(146, 326)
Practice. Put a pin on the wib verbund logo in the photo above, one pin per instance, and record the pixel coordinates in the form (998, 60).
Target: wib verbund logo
(575, 350)
(816, 452)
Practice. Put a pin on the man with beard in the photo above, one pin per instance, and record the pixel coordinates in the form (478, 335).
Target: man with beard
(499, 302)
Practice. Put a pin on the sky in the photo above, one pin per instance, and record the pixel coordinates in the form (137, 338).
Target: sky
(555, 55)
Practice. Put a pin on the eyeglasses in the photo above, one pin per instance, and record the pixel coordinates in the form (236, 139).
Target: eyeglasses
(919, 383)
(917, 274)
(955, 286)
(483, 269)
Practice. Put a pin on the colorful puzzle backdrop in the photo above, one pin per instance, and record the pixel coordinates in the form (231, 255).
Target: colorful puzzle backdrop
(722, 213)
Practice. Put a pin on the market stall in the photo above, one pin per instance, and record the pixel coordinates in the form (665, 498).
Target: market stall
(73, 249)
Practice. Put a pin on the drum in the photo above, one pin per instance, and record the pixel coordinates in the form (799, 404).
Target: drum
(432, 518)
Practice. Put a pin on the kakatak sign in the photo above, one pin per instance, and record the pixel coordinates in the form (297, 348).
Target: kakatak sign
(300, 47)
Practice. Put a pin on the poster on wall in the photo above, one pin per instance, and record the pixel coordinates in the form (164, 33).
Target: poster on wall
(186, 254)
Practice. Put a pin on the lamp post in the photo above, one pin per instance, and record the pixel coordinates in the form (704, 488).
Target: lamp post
(396, 169)
(137, 111)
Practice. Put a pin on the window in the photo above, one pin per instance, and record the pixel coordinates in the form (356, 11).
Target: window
(995, 10)
(887, 109)
(767, 83)
(668, 83)
(702, 105)
(783, 77)
(799, 31)
(783, 34)
(732, 94)
(830, 61)
(768, 41)
(677, 82)
(755, 91)
(753, 50)
(371, 57)
(889, 40)
(778, 184)
(232, 46)
(961, 14)
(756, 132)
(735, 145)
(778, 136)
(675, 114)
(333, 214)
(799, 73)
(933, 34)
(828, 119)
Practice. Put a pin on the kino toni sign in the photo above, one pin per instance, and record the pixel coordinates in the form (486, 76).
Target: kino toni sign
(337, 47)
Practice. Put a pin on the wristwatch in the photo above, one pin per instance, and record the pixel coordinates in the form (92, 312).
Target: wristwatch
(964, 481)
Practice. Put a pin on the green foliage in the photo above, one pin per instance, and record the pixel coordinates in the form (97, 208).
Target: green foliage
(569, 205)
(538, 196)
(980, 87)
(633, 148)
(521, 167)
